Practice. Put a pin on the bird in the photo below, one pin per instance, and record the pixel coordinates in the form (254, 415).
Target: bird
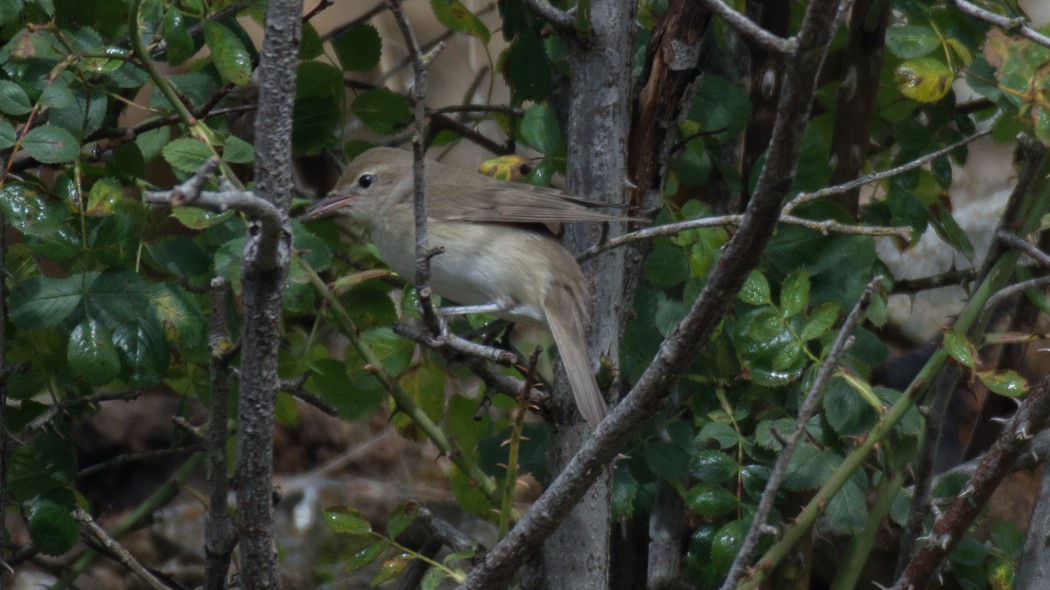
(496, 252)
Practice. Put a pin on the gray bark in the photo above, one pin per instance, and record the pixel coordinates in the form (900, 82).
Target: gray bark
(264, 273)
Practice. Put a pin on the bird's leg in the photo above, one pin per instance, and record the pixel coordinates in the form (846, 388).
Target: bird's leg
(444, 313)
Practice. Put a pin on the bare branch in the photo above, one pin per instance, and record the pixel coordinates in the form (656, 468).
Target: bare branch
(1040, 257)
(1017, 25)
(881, 175)
(825, 227)
(116, 550)
(560, 20)
(749, 30)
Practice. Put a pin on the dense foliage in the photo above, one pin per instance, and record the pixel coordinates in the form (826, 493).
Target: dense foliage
(103, 101)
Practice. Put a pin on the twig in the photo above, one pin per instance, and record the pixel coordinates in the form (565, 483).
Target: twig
(474, 357)
(1016, 25)
(45, 418)
(952, 277)
(119, 552)
(1040, 257)
(423, 253)
(881, 175)
(749, 30)
(191, 194)
(1010, 291)
(823, 226)
(560, 20)
(220, 536)
(838, 350)
(126, 458)
(449, 535)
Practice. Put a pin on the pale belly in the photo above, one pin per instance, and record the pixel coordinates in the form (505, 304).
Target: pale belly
(482, 265)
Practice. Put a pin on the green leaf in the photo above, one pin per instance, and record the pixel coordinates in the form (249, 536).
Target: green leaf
(820, 321)
(960, 349)
(528, 68)
(720, 106)
(91, 355)
(237, 151)
(1008, 383)
(666, 460)
(186, 154)
(710, 501)
(755, 290)
(198, 219)
(382, 111)
(402, 517)
(346, 521)
(7, 135)
(106, 194)
(51, 526)
(909, 41)
(391, 568)
(540, 131)
(457, 17)
(50, 144)
(666, 266)
(41, 302)
(179, 43)
(845, 411)
(311, 46)
(13, 99)
(143, 351)
(949, 231)
(313, 125)
(810, 467)
(365, 556)
(179, 314)
(228, 53)
(359, 48)
(329, 379)
(794, 294)
(924, 79)
(713, 466)
(726, 544)
(848, 511)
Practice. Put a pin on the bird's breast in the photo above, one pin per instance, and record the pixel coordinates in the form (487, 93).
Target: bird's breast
(484, 264)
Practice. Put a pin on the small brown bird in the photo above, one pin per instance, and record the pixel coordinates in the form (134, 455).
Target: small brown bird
(495, 251)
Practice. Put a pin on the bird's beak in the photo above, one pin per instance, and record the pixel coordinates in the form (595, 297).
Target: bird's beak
(328, 206)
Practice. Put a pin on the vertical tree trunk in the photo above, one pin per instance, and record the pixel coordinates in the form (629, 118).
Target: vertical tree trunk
(577, 555)
(265, 269)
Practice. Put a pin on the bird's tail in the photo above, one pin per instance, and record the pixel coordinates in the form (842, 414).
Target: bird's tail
(564, 318)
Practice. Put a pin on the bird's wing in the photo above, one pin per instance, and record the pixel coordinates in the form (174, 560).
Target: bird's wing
(500, 201)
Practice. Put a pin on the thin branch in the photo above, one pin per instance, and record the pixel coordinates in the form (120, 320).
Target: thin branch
(191, 194)
(881, 175)
(1007, 292)
(823, 226)
(1016, 25)
(1040, 257)
(48, 415)
(423, 253)
(120, 553)
(559, 19)
(126, 458)
(842, 344)
(950, 278)
(749, 30)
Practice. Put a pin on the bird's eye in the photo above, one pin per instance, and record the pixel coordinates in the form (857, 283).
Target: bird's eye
(365, 180)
